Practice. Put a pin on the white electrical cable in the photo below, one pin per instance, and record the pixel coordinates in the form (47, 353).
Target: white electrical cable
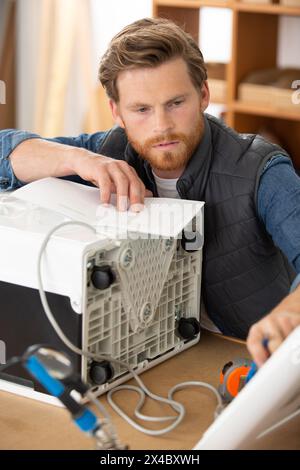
(178, 407)
(220, 407)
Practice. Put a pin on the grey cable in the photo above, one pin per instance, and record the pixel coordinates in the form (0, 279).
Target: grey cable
(175, 405)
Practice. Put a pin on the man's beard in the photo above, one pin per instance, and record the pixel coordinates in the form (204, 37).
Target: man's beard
(170, 160)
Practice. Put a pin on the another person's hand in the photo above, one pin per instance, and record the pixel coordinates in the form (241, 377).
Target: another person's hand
(274, 327)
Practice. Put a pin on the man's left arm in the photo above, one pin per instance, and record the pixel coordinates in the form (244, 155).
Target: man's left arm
(278, 205)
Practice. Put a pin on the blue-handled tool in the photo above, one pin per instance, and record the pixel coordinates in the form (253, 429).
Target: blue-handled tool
(253, 367)
(251, 373)
(54, 370)
(85, 419)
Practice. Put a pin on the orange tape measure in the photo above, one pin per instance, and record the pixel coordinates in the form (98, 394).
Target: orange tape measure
(233, 377)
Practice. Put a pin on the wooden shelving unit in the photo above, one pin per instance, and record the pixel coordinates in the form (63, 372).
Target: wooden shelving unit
(254, 46)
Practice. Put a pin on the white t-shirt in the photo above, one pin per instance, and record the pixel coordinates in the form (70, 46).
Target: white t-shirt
(167, 188)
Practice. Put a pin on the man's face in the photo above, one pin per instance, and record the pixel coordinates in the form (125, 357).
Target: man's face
(162, 113)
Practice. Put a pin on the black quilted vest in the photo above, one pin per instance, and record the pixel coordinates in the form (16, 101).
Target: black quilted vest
(244, 274)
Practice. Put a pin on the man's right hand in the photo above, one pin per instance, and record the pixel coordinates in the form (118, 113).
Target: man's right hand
(34, 159)
(113, 176)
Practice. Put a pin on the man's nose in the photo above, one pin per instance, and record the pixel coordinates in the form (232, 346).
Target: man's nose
(163, 122)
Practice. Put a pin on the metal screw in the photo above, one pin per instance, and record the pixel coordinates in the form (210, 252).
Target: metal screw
(168, 244)
(146, 312)
(127, 258)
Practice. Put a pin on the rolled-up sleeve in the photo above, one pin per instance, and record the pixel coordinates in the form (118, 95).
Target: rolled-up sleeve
(279, 206)
(89, 142)
(11, 138)
(296, 283)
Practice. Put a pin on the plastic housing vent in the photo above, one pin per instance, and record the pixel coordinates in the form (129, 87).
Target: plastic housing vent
(135, 319)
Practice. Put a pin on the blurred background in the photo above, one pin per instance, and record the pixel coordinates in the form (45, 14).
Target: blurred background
(50, 52)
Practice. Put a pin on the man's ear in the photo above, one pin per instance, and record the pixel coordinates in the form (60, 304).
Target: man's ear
(205, 96)
(116, 114)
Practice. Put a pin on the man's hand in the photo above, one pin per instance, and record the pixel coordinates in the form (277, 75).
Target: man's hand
(34, 159)
(275, 327)
(112, 176)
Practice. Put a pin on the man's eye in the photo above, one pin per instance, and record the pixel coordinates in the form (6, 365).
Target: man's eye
(177, 103)
(142, 110)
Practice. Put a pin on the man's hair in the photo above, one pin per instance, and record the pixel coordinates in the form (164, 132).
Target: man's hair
(148, 43)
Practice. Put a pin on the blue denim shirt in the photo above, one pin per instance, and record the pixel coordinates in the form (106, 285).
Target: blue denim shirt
(296, 283)
(278, 198)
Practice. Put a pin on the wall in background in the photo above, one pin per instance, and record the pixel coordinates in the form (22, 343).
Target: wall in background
(7, 64)
(215, 29)
(108, 17)
(2, 19)
(289, 42)
(27, 50)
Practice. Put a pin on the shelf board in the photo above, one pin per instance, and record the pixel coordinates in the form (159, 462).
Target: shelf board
(271, 9)
(194, 3)
(280, 113)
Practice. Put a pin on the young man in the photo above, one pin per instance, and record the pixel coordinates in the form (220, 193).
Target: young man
(156, 80)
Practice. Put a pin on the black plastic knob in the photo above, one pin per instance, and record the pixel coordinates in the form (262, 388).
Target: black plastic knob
(101, 372)
(191, 241)
(102, 277)
(188, 328)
